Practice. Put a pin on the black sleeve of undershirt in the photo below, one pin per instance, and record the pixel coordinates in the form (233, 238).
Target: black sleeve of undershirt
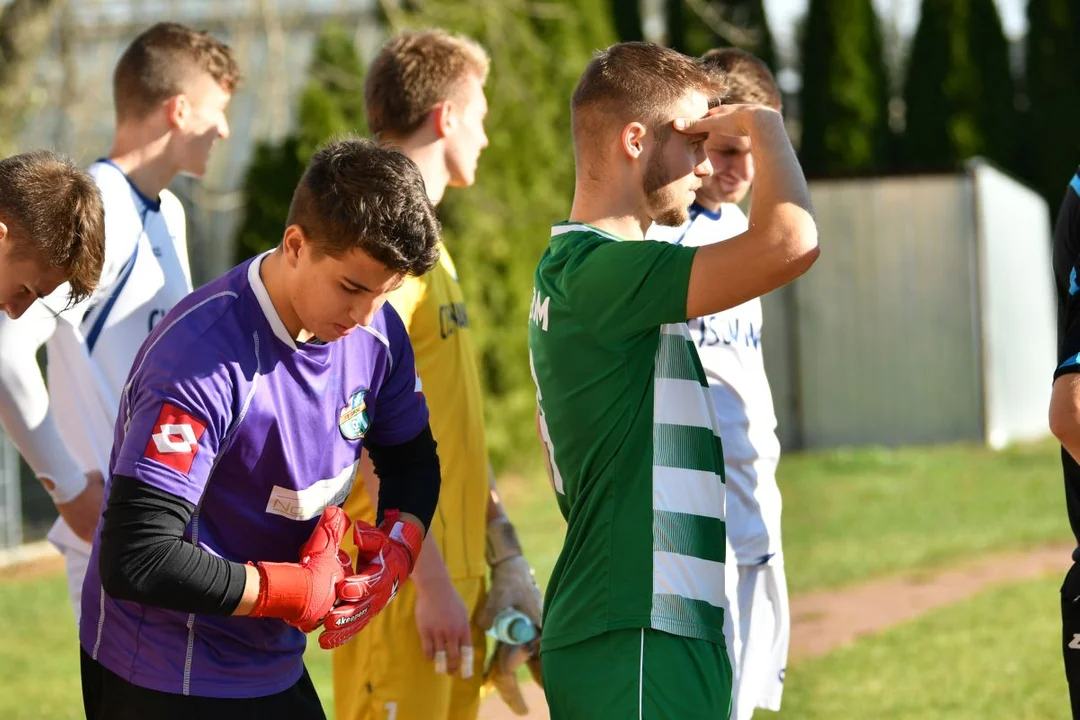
(409, 476)
(144, 558)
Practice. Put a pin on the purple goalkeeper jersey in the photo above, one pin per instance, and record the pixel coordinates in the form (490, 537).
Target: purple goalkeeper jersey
(224, 410)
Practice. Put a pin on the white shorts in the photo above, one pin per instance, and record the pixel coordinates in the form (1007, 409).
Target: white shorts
(76, 552)
(757, 627)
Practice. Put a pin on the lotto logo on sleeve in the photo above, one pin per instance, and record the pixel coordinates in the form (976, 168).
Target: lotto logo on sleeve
(175, 440)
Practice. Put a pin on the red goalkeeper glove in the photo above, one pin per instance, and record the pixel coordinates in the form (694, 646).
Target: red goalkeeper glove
(302, 593)
(385, 558)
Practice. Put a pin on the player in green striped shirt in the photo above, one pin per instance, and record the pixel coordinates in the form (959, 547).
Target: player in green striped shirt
(634, 611)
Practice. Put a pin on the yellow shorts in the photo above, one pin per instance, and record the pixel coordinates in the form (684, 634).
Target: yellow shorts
(382, 674)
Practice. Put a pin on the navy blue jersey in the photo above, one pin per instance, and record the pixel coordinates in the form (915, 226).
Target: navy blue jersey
(1067, 283)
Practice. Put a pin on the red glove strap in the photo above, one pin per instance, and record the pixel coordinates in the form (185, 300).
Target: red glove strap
(408, 535)
(284, 591)
(302, 593)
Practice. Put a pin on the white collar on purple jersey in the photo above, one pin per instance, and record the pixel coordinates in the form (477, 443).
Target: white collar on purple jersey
(272, 317)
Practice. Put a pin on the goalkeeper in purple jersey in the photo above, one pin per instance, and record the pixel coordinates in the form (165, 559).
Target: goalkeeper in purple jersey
(238, 436)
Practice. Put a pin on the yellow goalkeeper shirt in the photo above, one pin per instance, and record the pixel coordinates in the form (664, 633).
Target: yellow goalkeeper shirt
(434, 313)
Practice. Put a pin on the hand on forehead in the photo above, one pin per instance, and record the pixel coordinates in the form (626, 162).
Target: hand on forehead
(733, 120)
(694, 106)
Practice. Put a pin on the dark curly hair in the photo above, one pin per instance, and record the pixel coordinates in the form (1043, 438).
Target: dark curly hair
(356, 195)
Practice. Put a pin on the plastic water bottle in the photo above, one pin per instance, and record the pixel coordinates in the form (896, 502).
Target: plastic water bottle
(513, 627)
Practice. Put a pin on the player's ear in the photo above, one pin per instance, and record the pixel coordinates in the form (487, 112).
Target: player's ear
(3, 234)
(443, 119)
(177, 109)
(632, 140)
(292, 244)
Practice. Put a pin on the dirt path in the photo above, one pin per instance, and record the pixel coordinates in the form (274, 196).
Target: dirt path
(28, 562)
(824, 621)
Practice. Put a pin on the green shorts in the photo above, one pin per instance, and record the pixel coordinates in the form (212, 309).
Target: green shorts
(638, 674)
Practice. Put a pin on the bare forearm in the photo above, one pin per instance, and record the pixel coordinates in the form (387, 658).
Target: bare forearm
(430, 566)
(781, 197)
(781, 211)
(781, 242)
(1065, 413)
(495, 509)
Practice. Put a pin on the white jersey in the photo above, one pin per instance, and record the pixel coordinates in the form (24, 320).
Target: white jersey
(90, 347)
(729, 345)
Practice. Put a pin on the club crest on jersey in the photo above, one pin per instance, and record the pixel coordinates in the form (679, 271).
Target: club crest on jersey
(353, 420)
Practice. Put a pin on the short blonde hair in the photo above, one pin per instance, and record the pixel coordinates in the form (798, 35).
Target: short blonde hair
(158, 62)
(635, 82)
(414, 72)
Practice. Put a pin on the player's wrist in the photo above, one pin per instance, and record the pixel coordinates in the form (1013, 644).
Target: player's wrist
(430, 578)
(250, 594)
(432, 588)
(765, 125)
(502, 541)
(63, 488)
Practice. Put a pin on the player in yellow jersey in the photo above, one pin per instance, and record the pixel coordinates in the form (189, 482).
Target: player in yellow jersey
(423, 657)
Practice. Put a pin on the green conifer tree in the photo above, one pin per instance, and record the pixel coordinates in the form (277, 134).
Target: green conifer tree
(959, 92)
(1053, 90)
(845, 90)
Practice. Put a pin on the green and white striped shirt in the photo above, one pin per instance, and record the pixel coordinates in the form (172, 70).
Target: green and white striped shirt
(629, 427)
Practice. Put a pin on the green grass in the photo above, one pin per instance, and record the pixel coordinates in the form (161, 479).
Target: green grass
(996, 655)
(318, 665)
(848, 516)
(852, 515)
(39, 651)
